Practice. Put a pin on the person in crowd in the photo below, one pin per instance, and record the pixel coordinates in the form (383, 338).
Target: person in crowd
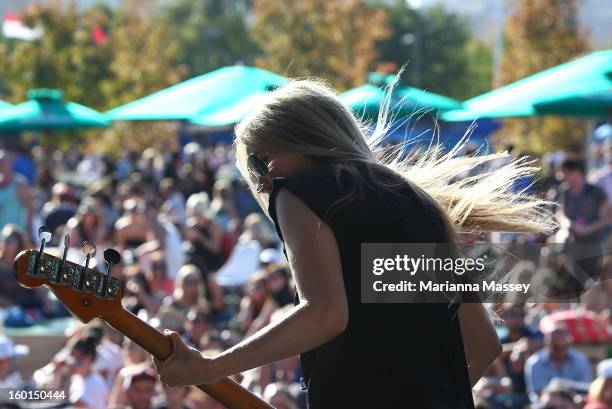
(194, 178)
(10, 378)
(514, 318)
(189, 290)
(135, 360)
(279, 286)
(56, 212)
(109, 357)
(555, 360)
(203, 235)
(222, 207)
(254, 311)
(139, 295)
(600, 392)
(88, 389)
(12, 242)
(140, 389)
(164, 236)
(23, 163)
(558, 397)
(514, 364)
(15, 196)
(132, 229)
(172, 167)
(584, 207)
(174, 398)
(173, 205)
(88, 224)
(197, 326)
(259, 229)
(157, 275)
(150, 166)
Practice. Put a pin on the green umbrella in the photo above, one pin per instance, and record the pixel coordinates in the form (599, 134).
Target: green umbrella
(230, 114)
(202, 98)
(582, 104)
(46, 110)
(583, 76)
(4, 105)
(366, 100)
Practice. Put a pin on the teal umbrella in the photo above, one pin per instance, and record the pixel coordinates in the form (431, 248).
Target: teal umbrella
(214, 98)
(4, 105)
(584, 76)
(46, 110)
(231, 114)
(581, 104)
(366, 100)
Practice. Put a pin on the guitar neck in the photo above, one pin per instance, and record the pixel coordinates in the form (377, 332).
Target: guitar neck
(226, 391)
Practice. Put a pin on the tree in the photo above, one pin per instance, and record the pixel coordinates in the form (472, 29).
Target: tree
(335, 40)
(65, 57)
(540, 35)
(145, 57)
(137, 58)
(438, 51)
(130, 64)
(209, 33)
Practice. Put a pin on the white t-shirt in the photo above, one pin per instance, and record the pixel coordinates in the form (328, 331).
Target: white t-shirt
(92, 390)
(172, 247)
(242, 262)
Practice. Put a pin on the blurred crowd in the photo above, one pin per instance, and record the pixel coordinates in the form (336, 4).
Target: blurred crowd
(199, 257)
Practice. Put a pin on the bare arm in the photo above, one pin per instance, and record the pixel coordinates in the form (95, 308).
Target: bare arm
(480, 340)
(321, 315)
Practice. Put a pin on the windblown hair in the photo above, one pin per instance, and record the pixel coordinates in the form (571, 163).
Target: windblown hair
(306, 116)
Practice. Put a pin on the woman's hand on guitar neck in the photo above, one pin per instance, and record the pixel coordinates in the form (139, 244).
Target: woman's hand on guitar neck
(186, 365)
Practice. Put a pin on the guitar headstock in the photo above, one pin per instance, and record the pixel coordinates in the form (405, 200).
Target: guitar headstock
(85, 292)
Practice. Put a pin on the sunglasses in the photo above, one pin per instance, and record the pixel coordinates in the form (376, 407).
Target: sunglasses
(258, 167)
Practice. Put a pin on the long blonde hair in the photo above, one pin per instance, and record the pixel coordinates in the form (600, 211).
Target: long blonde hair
(306, 116)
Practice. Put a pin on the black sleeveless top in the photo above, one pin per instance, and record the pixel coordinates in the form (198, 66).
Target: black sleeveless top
(391, 356)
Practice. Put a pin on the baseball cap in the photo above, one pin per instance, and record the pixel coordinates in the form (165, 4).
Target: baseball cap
(8, 349)
(142, 373)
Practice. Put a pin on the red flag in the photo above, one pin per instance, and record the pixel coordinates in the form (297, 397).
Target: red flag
(99, 35)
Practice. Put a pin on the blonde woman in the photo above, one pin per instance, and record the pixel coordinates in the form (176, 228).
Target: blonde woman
(189, 289)
(328, 189)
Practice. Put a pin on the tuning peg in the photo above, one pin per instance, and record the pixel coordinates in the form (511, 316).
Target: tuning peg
(56, 276)
(89, 249)
(44, 234)
(111, 256)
